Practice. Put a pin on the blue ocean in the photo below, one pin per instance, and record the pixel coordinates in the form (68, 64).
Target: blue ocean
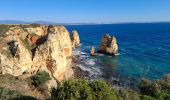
(144, 51)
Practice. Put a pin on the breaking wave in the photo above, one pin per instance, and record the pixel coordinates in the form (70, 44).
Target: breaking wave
(86, 63)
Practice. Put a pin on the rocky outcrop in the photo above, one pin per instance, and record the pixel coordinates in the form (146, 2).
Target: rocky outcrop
(75, 39)
(92, 51)
(108, 45)
(28, 49)
(55, 51)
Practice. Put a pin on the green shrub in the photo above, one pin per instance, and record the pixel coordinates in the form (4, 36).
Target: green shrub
(73, 90)
(163, 96)
(145, 97)
(165, 83)
(24, 98)
(147, 87)
(126, 94)
(4, 29)
(83, 90)
(26, 43)
(159, 89)
(102, 91)
(6, 94)
(40, 78)
(144, 86)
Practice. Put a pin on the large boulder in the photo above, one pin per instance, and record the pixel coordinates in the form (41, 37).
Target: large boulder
(108, 45)
(75, 39)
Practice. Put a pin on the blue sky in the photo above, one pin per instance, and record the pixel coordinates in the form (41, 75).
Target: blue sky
(86, 11)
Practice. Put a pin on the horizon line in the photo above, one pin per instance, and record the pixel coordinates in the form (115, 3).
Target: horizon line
(78, 23)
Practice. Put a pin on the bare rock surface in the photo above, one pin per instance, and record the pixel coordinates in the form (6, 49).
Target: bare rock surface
(12, 83)
(108, 45)
(27, 49)
(75, 39)
(92, 51)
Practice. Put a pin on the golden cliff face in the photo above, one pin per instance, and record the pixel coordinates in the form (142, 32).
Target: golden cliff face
(27, 49)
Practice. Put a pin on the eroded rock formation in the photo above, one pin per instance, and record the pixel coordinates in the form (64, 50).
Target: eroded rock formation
(108, 45)
(75, 39)
(28, 49)
(92, 51)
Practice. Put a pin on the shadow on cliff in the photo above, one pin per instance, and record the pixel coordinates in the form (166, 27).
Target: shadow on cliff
(42, 40)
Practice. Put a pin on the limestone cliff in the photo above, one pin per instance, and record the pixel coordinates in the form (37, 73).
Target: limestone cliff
(108, 45)
(27, 49)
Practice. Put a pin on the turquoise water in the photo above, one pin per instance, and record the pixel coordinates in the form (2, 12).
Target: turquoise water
(144, 50)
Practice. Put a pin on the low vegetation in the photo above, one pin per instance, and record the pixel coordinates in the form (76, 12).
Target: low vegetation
(39, 80)
(88, 90)
(33, 25)
(7, 94)
(4, 29)
(99, 90)
(27, 44)
(83, 90)
(159, 89)
(12, 88)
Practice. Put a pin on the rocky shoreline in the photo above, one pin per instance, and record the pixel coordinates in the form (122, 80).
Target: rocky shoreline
(31, 49)
(35, 60)
(78, 72)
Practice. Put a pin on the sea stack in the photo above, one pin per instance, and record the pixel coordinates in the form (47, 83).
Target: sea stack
(75, 39)
(108, 45)
(92, 51)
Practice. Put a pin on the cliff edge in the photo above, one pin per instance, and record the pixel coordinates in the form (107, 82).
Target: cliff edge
(26, 49)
